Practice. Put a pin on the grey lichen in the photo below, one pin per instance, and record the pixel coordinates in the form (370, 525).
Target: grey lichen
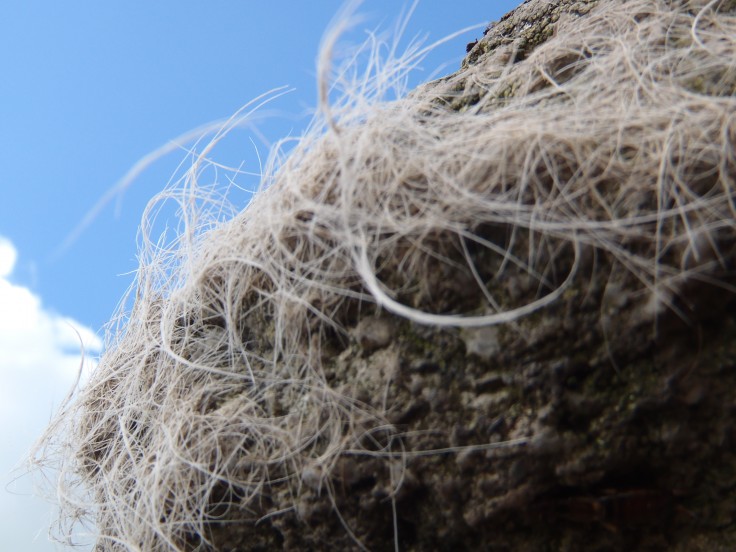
(520, 31)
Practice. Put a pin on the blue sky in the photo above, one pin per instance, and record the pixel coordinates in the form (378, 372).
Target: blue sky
(89, 88)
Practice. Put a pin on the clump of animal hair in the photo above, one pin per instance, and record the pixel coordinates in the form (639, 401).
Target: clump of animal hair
(213, 400)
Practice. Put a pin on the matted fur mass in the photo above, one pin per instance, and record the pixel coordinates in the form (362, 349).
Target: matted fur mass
(616, 137)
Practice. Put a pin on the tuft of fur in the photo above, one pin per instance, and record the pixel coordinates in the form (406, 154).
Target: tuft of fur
(616, 137)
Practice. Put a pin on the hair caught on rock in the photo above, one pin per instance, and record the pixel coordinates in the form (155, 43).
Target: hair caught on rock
(215, 400)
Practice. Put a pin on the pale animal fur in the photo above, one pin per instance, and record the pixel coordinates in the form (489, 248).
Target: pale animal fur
(617, 135)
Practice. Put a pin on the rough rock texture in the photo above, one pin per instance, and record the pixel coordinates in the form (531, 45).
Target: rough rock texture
(525, 28)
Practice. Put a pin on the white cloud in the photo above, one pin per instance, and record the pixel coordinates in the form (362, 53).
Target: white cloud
(40, 355)
(34, 342)
(7, 257)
